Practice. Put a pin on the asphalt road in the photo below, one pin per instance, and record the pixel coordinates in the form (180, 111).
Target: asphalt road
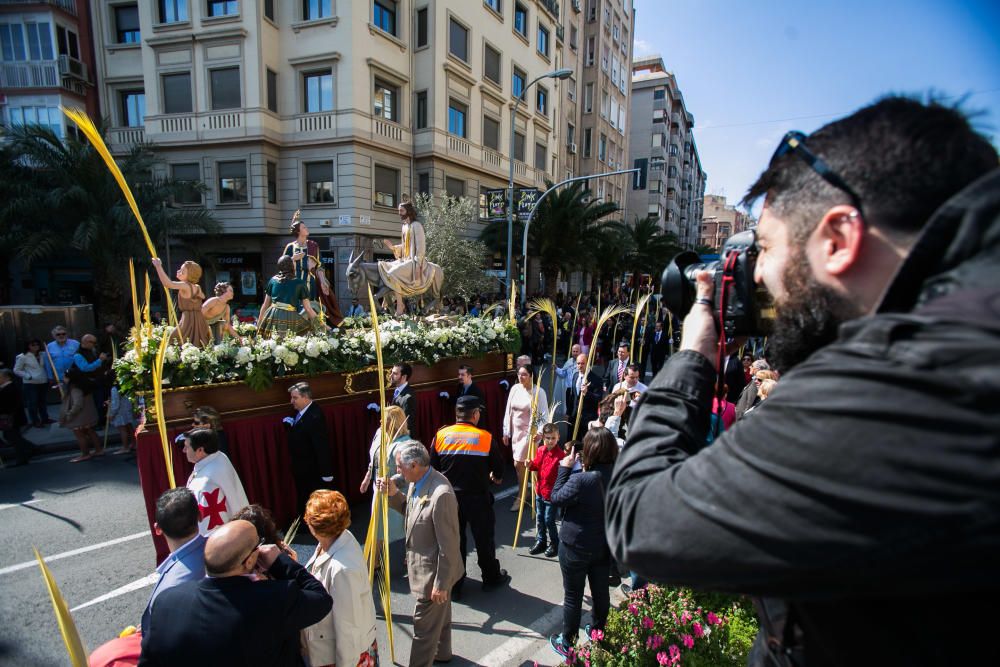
(88, 520)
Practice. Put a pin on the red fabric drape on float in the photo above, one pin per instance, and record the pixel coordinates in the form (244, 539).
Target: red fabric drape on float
(259, 450)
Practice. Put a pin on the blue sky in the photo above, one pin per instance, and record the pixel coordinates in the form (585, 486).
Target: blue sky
(750, 70)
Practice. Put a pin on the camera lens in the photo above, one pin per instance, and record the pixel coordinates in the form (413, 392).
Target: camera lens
(677, 283)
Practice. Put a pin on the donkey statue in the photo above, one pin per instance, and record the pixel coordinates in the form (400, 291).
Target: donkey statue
(362, 274)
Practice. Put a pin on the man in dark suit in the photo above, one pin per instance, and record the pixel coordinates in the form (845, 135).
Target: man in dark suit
(590, 387)
(659, 346)
(229, 619)
(733, 374)
(403, 396)
(616, 369)
(308, 445)
(466, 387)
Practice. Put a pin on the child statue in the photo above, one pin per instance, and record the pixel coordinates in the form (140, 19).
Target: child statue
(217, 313)
(192, 326)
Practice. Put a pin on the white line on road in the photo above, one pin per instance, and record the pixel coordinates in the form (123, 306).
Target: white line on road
(26, 502)
(513, 647)
(74, 552)
(136, 585)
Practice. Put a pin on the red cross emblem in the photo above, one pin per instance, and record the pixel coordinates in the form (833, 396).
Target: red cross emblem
(213, 508)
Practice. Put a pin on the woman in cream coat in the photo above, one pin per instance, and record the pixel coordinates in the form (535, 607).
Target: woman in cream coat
(346, 636)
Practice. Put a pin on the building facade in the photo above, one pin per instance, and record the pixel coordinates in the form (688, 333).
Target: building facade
(670, 185)
(721, 221)
(338, 109)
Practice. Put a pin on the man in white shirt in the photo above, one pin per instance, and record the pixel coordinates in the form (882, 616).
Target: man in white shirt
(214, 481)
(631, 384)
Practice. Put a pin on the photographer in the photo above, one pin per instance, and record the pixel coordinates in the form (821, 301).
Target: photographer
(863, 495)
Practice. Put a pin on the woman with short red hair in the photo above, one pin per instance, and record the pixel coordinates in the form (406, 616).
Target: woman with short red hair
(346, 636)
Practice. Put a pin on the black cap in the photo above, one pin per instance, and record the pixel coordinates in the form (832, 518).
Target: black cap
(468, 402)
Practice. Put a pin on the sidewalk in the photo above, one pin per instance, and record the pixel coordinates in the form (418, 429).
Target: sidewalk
(53, 438)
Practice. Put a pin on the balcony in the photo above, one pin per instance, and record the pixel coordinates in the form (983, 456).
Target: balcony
(30, 74)
(123, 138)
(552, 6)
(68, 6)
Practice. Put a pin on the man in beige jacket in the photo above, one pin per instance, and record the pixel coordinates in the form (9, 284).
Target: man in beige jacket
(433, 559)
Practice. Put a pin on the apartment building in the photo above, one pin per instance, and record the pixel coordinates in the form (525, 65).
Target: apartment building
(670, 186)
(337, 108)
(603, 145)
(721, 221)
(46, 61)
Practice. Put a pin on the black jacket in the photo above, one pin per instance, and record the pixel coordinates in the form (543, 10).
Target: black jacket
(235, 621)
(590, 401)
(407, 400)
(473, 390)
(582, 495)
(866, 490)
(309, 445)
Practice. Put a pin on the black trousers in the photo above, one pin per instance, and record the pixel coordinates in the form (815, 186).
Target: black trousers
(578, 567)
(476, 511)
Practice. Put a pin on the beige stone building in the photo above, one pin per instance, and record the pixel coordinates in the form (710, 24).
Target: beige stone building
(721, 221)
(341, 108)
(671, 183)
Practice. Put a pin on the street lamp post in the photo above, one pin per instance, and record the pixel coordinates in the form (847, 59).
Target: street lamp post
(563, 73)
(531, 216)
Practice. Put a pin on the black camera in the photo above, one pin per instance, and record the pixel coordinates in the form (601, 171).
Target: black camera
(746, 309)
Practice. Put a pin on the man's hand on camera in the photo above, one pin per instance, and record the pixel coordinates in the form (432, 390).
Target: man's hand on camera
(699, 333)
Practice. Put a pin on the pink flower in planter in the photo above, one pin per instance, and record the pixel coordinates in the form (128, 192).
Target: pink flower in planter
(675, 654)
(596, 635)
(662, 658)
(647, 622)
(686, 617)
(698, 632)
(633, 609)
(713, 619)
(688, 641)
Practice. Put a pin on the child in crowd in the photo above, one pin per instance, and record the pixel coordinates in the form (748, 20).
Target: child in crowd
(123, 418)
(546, 464)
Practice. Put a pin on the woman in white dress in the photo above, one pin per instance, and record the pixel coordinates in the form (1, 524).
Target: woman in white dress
(517, 422)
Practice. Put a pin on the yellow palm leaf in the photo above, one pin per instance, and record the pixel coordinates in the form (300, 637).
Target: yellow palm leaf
(536, 306)
(609, 312)
(161, 420)
(67, 627)
(640, 310)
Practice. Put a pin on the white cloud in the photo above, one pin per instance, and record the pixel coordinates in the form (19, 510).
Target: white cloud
(642, 48)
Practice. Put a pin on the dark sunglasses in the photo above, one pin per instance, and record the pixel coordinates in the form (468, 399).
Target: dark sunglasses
(793, 142)
(259, 544)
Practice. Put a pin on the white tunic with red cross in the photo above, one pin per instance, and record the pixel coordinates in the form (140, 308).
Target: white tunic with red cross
(218, 490)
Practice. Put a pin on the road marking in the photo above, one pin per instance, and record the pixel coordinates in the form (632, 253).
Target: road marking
(136, 585)
(13, 505)
(74, 552)
(506, 493)
(506, 653)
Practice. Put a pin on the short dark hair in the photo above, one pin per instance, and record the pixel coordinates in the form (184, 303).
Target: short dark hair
(623, 344)
(549, 428)
(633, 367)
(599, 446)
(262, 520)
(203, 438)
(904, 158)
(177, 513)
(404, 369)
(302, 388)
(466, 367)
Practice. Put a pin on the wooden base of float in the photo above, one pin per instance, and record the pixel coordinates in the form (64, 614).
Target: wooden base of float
(256, 434)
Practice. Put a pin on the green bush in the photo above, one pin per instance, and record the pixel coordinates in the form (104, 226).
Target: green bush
(669, 626)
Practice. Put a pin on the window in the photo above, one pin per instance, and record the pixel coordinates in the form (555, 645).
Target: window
(67, 41)
(570, 133)
(591, 50)
(540, 157)
(657, 139)
(422, 109)
(386, 186)
(187, 177)
(316, 9)
(602, 148)
(543, 41)
(491, 133)
(233, 182)
(269, 13)
(458, 40)
(39, 40)
(519, 146)
(521, 19)
(319, 182)
(495, 5)
(571, 89)
(424, 183)
(133, 108)
(127, 24)
(659, 93)
(454, 187)
(384, 15)
(225, 88)
(542, 100)
(272, 182)
(272, 90)
(318, 91)
(573, 32)
(456, 118)
(173, 11)
(223, 7)
(588, 98)
(517, 83)
(491, 64)
(421, 27)
(177, 93)
(386, 101)
(50, 117)
(605, 55)
(605, 104)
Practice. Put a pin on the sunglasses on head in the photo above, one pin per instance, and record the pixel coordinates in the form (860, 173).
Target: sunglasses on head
(793, 142)
(259, 544)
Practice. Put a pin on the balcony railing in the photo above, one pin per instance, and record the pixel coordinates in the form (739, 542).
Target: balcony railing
(386, 129)
(459, 145)
(68, 6)
(123, 137)
(30, 74)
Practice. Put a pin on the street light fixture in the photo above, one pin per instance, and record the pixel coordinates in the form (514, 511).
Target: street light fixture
(563, 73)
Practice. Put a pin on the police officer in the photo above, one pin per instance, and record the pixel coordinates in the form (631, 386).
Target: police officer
(469, 458)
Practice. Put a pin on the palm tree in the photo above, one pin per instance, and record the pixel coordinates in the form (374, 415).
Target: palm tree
(563, 232)
(648, 247)
(60, 198)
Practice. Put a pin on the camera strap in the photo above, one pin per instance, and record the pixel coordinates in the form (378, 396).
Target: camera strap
(728, 279)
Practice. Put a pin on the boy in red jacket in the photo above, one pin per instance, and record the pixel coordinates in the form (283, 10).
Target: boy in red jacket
(546, 464)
